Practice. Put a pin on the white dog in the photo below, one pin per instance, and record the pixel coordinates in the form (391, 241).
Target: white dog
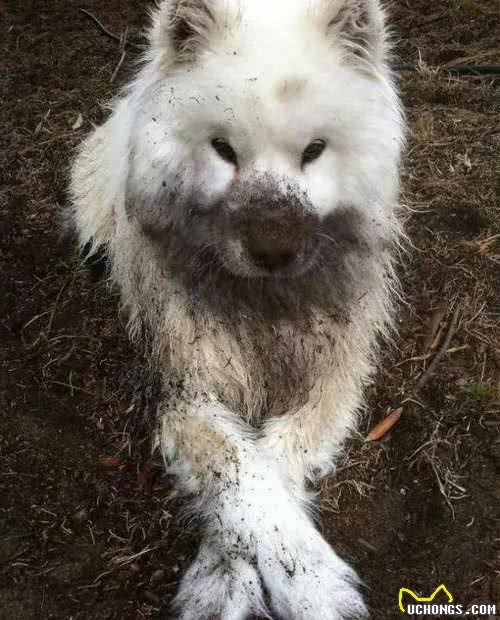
(245, 190)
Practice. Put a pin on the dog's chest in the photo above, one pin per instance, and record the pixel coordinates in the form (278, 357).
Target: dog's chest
(257, 367)
(274, 366)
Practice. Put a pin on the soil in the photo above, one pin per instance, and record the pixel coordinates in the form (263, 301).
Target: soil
(88, 528)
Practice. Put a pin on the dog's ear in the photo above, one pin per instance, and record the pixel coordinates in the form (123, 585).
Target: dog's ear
(360, 26)
(183, 27)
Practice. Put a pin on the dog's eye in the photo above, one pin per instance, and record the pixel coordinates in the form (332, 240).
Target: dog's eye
(224, 150)
(313, 151)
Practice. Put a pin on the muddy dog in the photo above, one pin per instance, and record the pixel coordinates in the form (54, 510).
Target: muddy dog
(245, 189)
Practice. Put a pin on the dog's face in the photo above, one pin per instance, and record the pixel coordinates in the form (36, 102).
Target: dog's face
(255, 141)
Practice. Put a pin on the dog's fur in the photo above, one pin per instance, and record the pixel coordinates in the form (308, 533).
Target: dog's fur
(262, 369)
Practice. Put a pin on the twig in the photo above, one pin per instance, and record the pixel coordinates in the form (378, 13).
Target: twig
(103, 28)
(480, 72)
(386, 424)
(117, 68)
(15, 555)
(38, 128)
(71, 387)
(433, 330)
(432, 19)
(423, 358)
(108, 33)
(444, 347)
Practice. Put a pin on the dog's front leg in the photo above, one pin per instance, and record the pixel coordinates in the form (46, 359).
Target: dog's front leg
(258, 542)
(212, 455)
(305, 444)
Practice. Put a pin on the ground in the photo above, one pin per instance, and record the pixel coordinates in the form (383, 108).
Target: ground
(85, 532)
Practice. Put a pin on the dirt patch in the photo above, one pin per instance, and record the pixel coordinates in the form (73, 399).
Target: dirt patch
(80, 535)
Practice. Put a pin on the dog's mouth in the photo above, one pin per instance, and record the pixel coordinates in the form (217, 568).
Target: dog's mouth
(265, 262)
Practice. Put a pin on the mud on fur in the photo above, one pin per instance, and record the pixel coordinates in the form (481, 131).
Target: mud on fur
(245, 191)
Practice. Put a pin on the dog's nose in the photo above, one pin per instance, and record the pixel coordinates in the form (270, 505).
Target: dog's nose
(272, 261)
(271, 251)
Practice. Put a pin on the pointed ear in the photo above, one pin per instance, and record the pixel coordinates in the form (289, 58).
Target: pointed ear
(183, 27)
(360, 25)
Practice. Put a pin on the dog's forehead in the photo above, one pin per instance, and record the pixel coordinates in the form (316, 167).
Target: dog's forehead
(279, 85)
(277, 90)
(289, 87)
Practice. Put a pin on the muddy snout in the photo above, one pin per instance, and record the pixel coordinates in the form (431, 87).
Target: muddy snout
(277, 240)
(274, 250)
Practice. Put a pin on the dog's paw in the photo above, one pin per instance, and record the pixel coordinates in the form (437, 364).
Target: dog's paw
(306, 580)
(218, 587)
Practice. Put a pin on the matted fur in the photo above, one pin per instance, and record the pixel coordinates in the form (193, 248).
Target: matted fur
(262, 371)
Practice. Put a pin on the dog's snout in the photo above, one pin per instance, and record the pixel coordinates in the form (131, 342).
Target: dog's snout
(276, 236)
(273, 247)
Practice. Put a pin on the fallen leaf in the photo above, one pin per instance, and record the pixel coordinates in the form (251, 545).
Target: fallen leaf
(385, 425)
(480, 246)
(110, 462)
(78, 123)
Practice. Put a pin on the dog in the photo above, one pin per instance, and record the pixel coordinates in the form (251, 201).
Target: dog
(245, 189)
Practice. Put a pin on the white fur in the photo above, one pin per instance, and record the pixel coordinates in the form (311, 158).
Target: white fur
(257, 533)
(270, 77)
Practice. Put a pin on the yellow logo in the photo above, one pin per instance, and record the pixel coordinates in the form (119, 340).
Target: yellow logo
(423, 599)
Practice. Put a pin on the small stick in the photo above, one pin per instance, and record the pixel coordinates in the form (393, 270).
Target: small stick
(433, 330)
(437, 338)
(102, 27)
(117, 68)
(386, 424)
(107, 32)
(437, 358)
(38, 128)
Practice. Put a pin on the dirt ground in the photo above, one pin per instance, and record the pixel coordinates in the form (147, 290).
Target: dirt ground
(84, 533)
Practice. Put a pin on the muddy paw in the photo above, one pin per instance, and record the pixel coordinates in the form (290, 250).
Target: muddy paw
(308, 581)
(219, 587)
